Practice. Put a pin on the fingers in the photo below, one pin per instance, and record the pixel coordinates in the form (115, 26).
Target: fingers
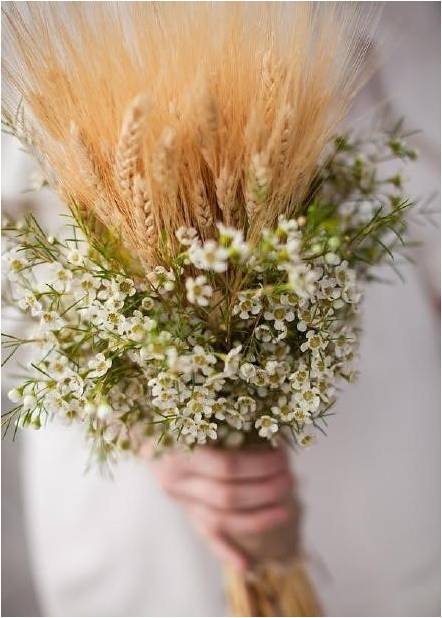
(233, 495)
(243, 465)
(239, 522)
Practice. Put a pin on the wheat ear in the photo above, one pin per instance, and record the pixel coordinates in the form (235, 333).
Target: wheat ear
(85, 161)
(257, 184)
(129, 145)
(147, 231)
(202, 208)
(226, 196)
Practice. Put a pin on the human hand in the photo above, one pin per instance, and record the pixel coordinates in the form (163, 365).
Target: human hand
(229, 493)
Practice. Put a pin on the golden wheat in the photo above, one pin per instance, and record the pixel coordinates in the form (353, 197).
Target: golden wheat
(243, 98)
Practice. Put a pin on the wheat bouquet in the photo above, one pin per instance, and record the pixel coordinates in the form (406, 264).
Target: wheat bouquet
(207, 288)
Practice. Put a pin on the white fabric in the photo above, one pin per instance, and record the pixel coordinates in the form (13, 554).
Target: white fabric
(371, 489)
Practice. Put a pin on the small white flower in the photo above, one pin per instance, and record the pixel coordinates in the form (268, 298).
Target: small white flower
(202, 361)
(315, 342)
(332, 259)
(305, 439)
(15, 266)
(114, 321)
(104, 410)
(87, 286)
(246, 406)
(62, 277)
(303, 279)
(58, 367)
(232, 361)
(247, 371)
(285, 410)
(99, 366)
(198, 291)
(147, 303)
(75, 257)
(15, 395)
(122, 287)
(29, 301)
(267, 426)
(232, 239)
(308, 399)
(263, 333)
(186, 235)
(51, 321)
(162, 280)
(280, 314)
(210, 256)
(247, 306)
(71, 383)
(300, 378)
(29, 402)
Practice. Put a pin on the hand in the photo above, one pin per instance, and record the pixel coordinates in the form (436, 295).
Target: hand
(229, 493)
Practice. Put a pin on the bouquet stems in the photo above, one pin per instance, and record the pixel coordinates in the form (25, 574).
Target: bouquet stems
(277, 583)
(272, 591)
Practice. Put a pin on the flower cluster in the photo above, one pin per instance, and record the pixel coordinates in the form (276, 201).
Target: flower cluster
(227, 340)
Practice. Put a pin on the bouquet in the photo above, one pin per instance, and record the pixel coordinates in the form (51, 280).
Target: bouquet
(206, 287)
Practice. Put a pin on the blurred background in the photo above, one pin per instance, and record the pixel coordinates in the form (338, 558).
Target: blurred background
(385, 446)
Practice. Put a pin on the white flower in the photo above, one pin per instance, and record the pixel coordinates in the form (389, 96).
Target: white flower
(332, 259)
(58, 367)
(29, 402)
(114, 321)
(122, 287)
(138, 326)
(165, 399)
(104, 410)
(247, 304)
(162, 280)
(75, 257)
(232, 361)
(247, 406)
(87, 286)
(267, 426)
(71, 383)
(51, 321)
(157, 347)
(285, 410)
(99, 366)
(247, 371)
(198, 407)
(29, 301)
(308, 399)
(280, 314)
(15, 266)
(62, 277)
(189, 427)
(198, 291)
(275, 374)
(147, 303)
(234, 419)
(202, 361)
(186, 235)
(219, 408)
(305, 439)
(232, 239)
(209, 257)
(15, 395)
(302, 279)
(315, 342)
(300, 378)
(263, 333)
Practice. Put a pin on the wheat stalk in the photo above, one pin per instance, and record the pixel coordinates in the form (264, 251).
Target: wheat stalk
(129, 145)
